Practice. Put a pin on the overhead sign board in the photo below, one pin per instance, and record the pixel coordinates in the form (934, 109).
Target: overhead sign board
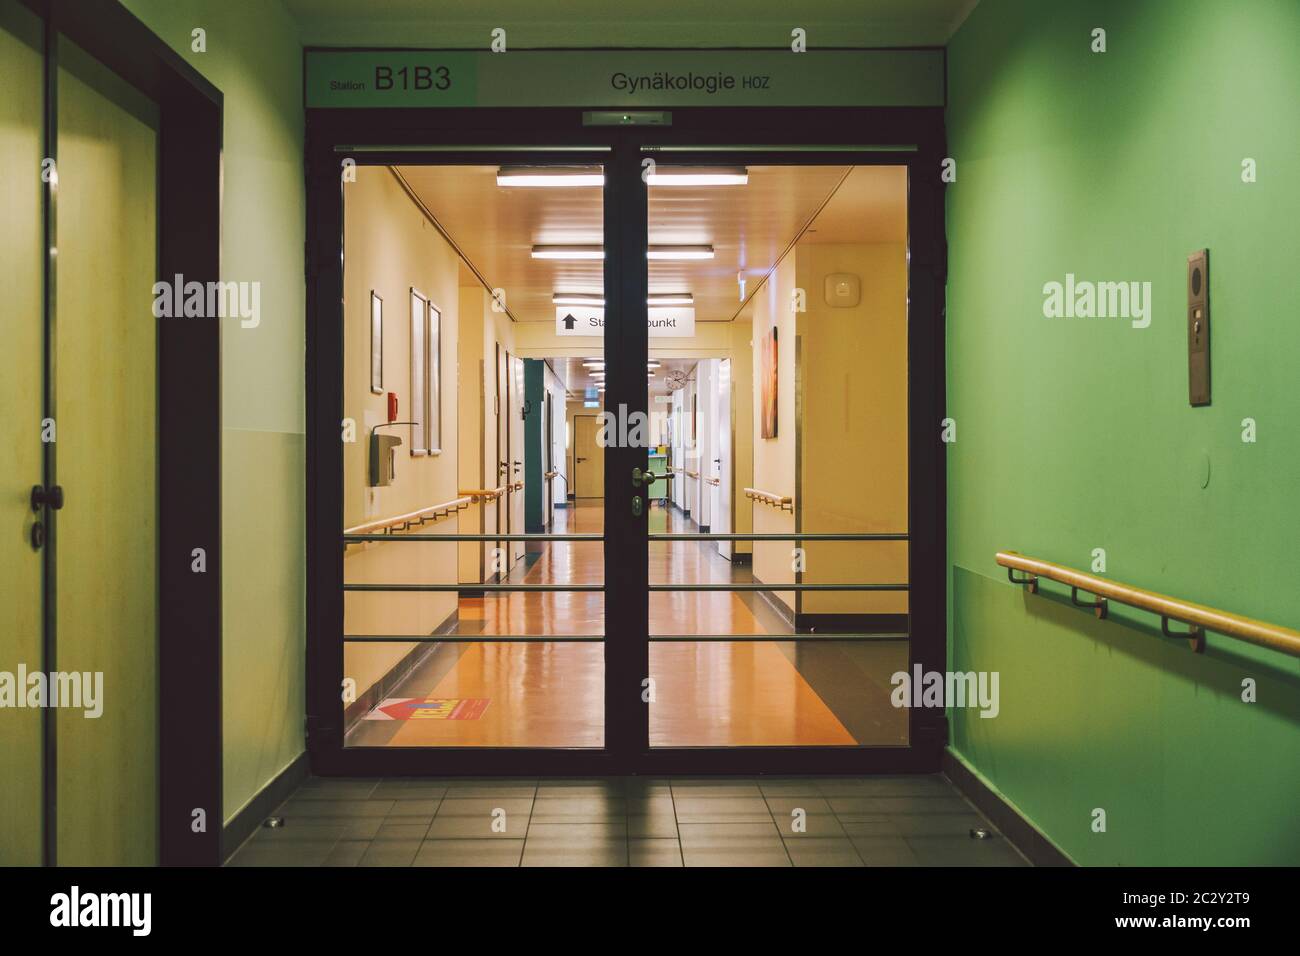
(661, 321)
(622, 79)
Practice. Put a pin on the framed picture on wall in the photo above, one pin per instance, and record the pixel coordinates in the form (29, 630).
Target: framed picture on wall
(419, 374)
(376, 343)
(433, 390)
(768, 385)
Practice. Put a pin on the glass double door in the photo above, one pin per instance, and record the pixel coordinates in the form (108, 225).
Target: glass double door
(626, 460)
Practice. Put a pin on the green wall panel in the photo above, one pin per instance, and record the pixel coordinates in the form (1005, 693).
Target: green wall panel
(253, 56)
(1076, 434)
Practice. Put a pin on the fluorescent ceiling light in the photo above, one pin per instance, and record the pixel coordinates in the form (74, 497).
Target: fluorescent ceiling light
(652, 364)
(569, 252)
(676, 298)
(562, 177)
(595, 365)
(577, 298)
(678, 252)
(698, 176)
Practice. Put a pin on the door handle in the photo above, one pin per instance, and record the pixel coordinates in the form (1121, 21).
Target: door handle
(53, 496)
(646, 477)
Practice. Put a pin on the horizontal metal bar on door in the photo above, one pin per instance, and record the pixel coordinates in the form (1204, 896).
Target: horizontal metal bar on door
(350, 538)
(772, 638)
(473, 639)
(811, 536)
(777, 587)
(474, 586)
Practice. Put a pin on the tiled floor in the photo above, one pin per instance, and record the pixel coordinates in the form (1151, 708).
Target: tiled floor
(622, 821)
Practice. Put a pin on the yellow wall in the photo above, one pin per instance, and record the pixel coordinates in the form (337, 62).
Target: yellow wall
(20, 397)
(390, 247)
(774, 458)
(854, 423)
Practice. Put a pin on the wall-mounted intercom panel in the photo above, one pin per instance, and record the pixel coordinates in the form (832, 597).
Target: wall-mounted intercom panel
(1198, 327)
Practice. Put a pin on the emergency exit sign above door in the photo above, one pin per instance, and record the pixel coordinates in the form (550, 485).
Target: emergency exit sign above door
(622, 78)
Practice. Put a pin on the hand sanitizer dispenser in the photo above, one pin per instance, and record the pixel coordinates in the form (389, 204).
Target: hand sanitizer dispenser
(383, 455)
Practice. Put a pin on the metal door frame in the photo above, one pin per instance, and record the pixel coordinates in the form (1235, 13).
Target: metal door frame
(908, 136)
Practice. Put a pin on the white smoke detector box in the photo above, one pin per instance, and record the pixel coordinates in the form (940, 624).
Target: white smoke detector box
(843, 290)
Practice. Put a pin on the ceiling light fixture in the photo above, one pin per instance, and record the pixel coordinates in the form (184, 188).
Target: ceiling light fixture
(568, 252)
(698, 176)
(561, 177)
(675, 298)
(578, 298)
(652, 364)
(678, 252)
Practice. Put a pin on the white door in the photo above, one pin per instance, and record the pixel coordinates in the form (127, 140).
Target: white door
(721, 461)
(704, 424)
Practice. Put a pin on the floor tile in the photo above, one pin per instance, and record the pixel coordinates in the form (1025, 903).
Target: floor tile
(845, 806)
(781, 806)
(579, 809)
(484, 806)
(287, 853)
(424, 809)
(573, 834)
(738, 852)
(713, 809)
(604, 853)
(652, 825)
(713, 834)
(964, 851)
(469, 853)
(654, 852)
(402, 791)
(320, 788)
(912, 785)
(403, 831)
(390, 853)
(814, 825)
(306, 807)
(347, 853)
(477, 826)
(823, 851)
(884, 851)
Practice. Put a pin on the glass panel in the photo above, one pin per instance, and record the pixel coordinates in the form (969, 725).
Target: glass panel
(471, 262)
(107, 422)
(784, 410)
(21, 384)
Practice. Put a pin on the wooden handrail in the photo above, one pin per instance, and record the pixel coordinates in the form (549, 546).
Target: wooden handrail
(693, 474)
(482, 494)
(431, 513)
(784, 502)
(1198, 616)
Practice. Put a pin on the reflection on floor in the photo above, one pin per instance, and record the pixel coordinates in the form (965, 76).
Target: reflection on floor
(813, 692)
(847, 821)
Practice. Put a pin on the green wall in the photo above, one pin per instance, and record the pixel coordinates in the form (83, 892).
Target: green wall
(1075, 434)
(254, 57)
